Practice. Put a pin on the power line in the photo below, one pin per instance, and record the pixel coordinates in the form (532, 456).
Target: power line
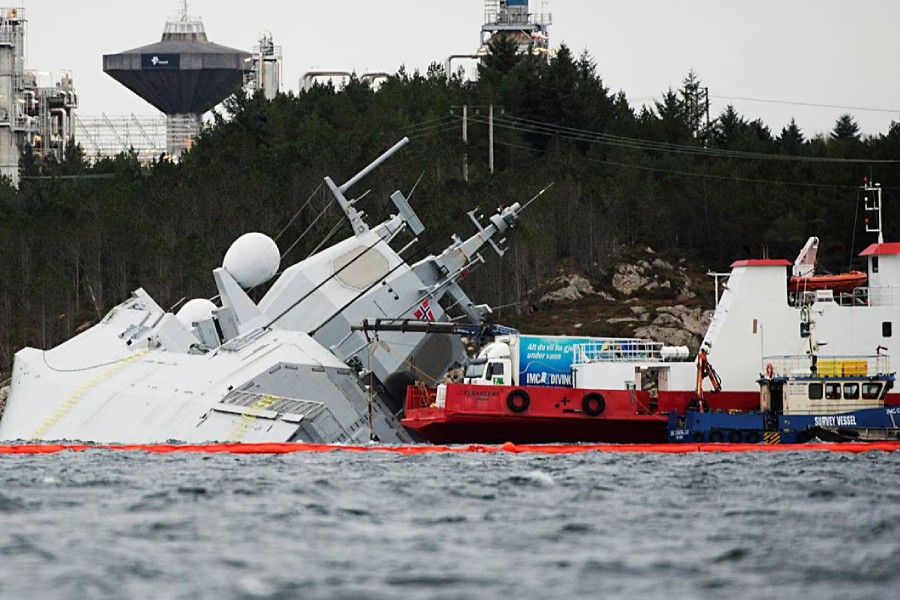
(695, 174)
(813, 104)
(583, 135)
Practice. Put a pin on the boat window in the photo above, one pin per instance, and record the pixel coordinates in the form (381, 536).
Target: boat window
(851, 391)
(815, 391)
(475, 369)
(832, 391)
(496, 369)
(871, 391)
(874, 264)
(886, 329)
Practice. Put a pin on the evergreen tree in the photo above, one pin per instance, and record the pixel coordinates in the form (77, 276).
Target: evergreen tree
(791, 139)
(845, 128)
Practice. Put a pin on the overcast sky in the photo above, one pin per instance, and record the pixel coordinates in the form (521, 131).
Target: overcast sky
(831, 52)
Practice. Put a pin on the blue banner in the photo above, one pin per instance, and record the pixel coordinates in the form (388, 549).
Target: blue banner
(547, 361)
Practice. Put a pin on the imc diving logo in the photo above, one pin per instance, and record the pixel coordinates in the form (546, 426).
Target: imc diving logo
(544, 378)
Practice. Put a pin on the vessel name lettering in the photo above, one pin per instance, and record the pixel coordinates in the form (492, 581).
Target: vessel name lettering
(835, 421)
(893, 411)
(480, 395)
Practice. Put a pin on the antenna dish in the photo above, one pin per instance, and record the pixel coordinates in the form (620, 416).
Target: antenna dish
(252, 259)
(194, 311)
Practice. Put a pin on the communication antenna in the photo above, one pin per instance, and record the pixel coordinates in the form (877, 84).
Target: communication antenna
(872, 204)
(184, 10)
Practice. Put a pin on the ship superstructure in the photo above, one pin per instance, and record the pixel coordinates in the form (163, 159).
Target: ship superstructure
(758, 314)
(288, 369)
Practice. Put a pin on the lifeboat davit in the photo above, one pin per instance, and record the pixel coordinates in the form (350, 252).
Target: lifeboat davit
(841, 283)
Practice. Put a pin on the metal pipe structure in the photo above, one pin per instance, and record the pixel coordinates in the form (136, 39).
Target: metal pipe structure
(448, 64)
(374, 164)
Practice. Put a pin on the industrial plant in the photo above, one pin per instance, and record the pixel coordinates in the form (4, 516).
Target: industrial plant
(183, 75)
(34, 113)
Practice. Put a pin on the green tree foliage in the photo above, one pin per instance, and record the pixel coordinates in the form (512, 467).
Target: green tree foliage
(80, 234)
(845, 128)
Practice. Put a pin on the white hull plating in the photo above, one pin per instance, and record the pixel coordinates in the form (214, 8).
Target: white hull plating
(275, 387)
(286, 370)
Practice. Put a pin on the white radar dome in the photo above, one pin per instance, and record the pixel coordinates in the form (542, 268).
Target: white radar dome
(198, 309)
(252, 259)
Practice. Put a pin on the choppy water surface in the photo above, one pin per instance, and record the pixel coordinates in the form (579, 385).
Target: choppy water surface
(106, 524)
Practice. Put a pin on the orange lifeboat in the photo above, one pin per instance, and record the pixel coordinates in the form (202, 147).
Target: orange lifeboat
(841, 283)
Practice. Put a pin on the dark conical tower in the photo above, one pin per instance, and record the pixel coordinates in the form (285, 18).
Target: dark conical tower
(183, 75)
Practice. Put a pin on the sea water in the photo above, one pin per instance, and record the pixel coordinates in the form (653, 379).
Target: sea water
(103, 524)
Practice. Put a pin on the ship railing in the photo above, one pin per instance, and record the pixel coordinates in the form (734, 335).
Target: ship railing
(827, 366)
(874, 296)
(861, 296)
(617, 350)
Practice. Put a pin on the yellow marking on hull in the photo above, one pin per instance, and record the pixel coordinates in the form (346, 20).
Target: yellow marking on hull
(247, 419)
(66, 405)
(772, 437)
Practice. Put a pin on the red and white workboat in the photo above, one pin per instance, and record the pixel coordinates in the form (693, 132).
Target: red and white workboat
(622, 390)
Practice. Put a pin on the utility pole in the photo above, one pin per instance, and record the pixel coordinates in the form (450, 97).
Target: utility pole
(465, 132)
(491, 138)
(706, 96)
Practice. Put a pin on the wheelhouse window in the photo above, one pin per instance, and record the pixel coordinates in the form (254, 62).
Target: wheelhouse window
(496, 369)
(886, 329)
(815, 391)
(874, 264)
(851, 391)
(475, 369)
(871, 391)
(832, 391)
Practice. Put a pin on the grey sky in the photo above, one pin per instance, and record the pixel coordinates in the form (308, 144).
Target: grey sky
(814, 51)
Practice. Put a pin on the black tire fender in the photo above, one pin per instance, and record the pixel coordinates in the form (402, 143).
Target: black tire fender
(735, 436)
(593, 404)
(518, 401)
(716, 436)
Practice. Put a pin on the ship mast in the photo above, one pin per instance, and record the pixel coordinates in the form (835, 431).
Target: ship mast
(872, 203)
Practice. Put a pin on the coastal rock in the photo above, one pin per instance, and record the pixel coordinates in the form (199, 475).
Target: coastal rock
(622, 320)
(694, 320)
(671, 336)
(641, 312)
(628, 279)
(659, 263)
(605, 296)
(685, 293)
(574, 287)
(664, 319)
(4, 394)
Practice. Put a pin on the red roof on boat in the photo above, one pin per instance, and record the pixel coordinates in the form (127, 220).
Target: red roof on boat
(882, 249)
(761, 262)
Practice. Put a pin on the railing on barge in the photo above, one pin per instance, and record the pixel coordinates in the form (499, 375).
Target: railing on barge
(826, 366)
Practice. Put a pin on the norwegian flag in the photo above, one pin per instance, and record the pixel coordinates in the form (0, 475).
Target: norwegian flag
(424, 313)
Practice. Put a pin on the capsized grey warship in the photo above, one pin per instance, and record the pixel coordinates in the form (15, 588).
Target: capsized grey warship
(287, 369)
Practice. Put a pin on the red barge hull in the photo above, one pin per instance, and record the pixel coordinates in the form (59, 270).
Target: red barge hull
(481, 414)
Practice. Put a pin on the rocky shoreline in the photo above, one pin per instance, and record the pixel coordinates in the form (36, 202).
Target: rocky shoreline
(646, 298)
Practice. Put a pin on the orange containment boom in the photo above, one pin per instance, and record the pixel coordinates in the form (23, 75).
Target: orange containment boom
(288, 448)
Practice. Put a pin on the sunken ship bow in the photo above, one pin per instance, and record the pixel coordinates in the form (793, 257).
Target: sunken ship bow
(289, 368)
